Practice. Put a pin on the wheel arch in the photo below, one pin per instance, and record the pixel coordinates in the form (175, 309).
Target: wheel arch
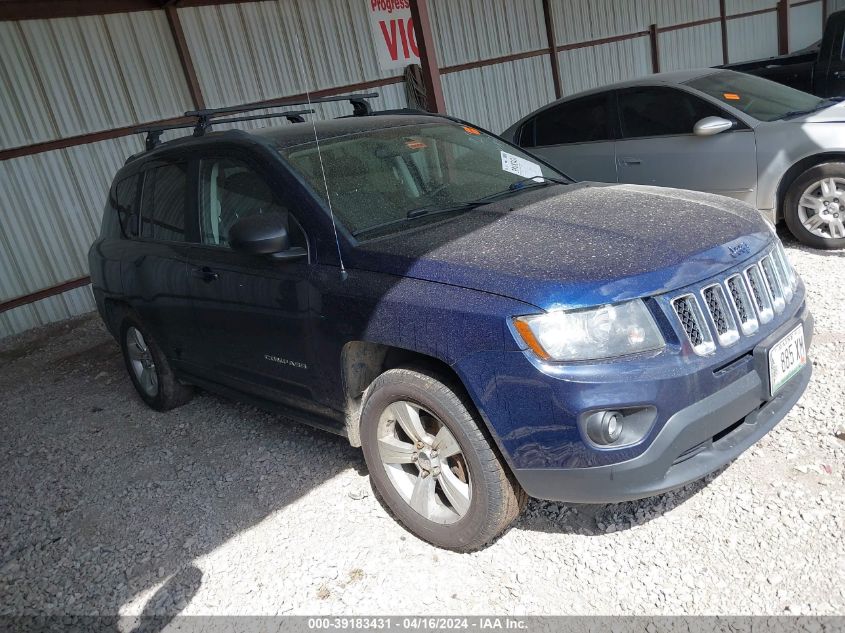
(364, 361)
(113, 312)
(791, 174)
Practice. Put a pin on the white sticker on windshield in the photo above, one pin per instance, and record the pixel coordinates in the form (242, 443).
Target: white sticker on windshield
(520, 166)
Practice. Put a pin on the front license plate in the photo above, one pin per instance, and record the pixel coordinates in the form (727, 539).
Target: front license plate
(786, 358)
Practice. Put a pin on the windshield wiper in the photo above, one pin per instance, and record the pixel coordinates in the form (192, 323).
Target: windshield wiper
(413, 214)
(821, 106)
(434, 209)
(520, 185)
(535, 181)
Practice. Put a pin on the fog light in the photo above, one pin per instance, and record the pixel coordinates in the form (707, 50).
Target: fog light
(605, 427)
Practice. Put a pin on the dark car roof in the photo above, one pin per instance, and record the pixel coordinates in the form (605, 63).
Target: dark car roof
(299, 133)
(292, 134)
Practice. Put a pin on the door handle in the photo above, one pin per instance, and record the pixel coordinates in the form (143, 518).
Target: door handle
(631, 161)
(837, 74)
(205, 273)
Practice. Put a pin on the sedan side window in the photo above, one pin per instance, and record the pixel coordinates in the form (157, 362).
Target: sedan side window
(163, 203)
(231, 190)
(581, 121)
(653, 111)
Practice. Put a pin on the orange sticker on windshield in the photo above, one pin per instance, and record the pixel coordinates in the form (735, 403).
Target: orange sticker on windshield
(415, 145)
(471, 130)
(731, 96)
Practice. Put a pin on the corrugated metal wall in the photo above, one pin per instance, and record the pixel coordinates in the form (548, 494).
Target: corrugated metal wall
(496, 96)
(752, 37)
(69, 76)
(61, 78)
(805, 25)
(261, 50)
(468, 31)
(593, 66)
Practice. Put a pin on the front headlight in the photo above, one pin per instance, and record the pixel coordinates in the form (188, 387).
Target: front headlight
(591, 334)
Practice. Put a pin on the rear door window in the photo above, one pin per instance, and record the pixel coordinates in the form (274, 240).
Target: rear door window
(655, 111)
(163, 203)
(584, 120)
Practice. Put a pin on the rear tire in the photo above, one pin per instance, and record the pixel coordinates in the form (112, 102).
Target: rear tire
(459, 498)
(814, 206)
(149, 369)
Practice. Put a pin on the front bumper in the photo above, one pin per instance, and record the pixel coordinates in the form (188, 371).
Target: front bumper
(694, 442)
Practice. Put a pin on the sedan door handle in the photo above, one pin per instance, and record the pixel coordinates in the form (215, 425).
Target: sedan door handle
(837, 74)
(205, 273)
(631, 161)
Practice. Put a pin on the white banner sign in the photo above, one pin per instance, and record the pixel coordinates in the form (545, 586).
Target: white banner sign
(393, 33)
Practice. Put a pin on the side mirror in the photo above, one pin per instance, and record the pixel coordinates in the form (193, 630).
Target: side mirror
(712, 125)
(264, 234)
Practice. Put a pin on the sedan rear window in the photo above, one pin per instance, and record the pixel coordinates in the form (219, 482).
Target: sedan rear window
(757, 97)
(584, 120)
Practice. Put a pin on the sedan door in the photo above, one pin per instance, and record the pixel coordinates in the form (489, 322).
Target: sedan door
(659, 147)
(575, 136)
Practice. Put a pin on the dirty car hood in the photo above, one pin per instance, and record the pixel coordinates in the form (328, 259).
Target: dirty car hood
(576, 245)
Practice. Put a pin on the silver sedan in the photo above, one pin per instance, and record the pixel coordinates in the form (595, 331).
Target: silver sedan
(719, 131)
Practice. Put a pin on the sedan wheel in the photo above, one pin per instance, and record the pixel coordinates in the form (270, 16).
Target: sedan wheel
(814, 206)
(821, 208)
(424, 462)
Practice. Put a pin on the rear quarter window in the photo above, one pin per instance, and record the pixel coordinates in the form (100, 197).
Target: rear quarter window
(585, 120)
(121, 214)
(163, 203)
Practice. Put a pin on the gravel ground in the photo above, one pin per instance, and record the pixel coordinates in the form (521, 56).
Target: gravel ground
(107, 507)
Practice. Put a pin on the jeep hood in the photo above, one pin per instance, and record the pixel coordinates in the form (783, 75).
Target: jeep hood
(575, 245)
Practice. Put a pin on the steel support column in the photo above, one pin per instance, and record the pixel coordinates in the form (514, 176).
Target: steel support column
(550, 37)
(428, 56)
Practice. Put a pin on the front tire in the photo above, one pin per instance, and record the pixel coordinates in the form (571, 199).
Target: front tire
(149, 369)
(433, 464)
(814, 206)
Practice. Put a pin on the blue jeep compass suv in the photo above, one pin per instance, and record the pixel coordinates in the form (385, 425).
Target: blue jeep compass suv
(483, 327)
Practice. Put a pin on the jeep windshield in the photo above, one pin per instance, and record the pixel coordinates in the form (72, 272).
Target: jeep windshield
(389, 179)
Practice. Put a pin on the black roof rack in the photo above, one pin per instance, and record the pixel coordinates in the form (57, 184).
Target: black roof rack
(203, 118)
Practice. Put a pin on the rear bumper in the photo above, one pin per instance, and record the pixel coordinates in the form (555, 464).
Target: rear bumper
(694, 442)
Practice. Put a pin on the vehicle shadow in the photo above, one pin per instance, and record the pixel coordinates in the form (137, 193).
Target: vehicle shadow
(602, 519)
(104, 499)
(789, 240)
(178, 590)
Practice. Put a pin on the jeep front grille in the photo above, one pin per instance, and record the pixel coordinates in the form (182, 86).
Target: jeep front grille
(720, 314)
(773, 284)
(736, 306)
(742, 303)
(762, 300)
(692, 320)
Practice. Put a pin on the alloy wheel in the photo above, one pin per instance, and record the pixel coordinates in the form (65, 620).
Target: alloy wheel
(424, 462)
(141, 361)
(821, 208)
